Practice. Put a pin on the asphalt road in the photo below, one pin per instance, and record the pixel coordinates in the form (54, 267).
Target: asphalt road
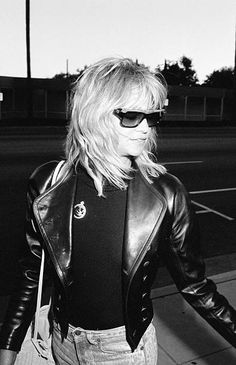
(204, 159)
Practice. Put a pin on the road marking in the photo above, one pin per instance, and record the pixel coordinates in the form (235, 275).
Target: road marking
(209, 210)
(180, 162)
(211, 191)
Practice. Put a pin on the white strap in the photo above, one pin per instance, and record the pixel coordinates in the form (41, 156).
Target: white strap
(40, 285)
(39, 295)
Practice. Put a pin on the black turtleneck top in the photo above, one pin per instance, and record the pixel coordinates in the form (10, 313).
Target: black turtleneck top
(98, 232)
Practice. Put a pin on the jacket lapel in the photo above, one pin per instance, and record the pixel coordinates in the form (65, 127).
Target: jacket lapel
(145, 210)
(53, 211)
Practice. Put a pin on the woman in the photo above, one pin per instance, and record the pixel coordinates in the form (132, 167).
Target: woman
(112, 214)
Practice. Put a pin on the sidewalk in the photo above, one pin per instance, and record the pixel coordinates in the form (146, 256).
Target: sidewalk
(184, 337)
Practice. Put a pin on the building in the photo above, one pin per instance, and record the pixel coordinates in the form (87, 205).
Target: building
(46, 101)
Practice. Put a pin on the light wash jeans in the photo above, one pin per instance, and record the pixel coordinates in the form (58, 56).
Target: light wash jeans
(106, 347)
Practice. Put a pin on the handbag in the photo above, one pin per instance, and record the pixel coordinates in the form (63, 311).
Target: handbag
(36, 348)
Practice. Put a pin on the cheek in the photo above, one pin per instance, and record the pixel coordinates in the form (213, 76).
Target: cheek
(124, 139)
(120, 131)
(123, 145)
(124, 133)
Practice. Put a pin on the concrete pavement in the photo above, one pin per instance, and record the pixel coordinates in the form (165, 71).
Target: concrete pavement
(184, 337)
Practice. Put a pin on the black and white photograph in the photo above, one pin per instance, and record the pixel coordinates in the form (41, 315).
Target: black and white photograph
(118, 182)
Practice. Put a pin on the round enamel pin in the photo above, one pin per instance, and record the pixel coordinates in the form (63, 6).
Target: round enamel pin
(79, 210)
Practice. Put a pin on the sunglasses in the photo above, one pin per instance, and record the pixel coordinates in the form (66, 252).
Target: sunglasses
(132, 118)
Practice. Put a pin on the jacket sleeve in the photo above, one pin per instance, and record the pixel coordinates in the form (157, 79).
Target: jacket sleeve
(21, 307)
(183, 259)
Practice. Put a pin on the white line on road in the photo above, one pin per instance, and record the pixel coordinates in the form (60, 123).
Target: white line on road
(211, 191)
(207, 209)
(180, 162)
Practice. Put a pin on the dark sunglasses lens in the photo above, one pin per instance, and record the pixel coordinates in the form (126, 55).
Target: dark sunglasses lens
(131, 119)
(153, 119)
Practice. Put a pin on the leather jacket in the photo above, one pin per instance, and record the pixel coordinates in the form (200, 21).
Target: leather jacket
(160, 224)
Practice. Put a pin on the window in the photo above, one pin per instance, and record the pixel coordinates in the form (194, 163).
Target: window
(8, 100)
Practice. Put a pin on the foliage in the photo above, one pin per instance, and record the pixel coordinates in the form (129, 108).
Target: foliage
(222, 78)
(180, 72)
(71, 77)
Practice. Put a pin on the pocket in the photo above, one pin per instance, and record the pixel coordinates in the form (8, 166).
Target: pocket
(114, 345)
(56, 333)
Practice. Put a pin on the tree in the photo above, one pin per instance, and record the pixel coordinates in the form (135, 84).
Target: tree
(180, 72)
(222, 78)
(71, 77)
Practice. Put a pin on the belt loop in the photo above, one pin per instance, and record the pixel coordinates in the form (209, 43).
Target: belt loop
(76, 332)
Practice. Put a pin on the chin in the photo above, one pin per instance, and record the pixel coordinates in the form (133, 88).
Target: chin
(136, 153)
(132, 154)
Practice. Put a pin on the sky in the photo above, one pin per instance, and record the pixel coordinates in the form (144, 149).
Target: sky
(84, 31)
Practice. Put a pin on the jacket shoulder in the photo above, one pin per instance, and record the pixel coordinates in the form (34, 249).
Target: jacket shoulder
(41, 178)
(173, 190)
(169, 183)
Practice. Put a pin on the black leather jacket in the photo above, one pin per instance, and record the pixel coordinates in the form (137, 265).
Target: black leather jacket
(159, 224)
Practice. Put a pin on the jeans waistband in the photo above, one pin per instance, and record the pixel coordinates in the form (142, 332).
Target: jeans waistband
(107, 332)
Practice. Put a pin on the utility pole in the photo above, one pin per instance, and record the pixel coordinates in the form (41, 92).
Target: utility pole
(235, 60)
(234, 92)
(27, 20)
(28, 61)
(67, 68)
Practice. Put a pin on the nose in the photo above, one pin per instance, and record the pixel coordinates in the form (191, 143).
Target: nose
(143, 126)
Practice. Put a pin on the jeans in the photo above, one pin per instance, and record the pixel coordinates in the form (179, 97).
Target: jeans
(108, 347)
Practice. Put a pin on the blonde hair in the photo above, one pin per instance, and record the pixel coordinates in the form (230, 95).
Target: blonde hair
(91, 139)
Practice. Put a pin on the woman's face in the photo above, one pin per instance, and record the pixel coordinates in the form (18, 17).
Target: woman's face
(131, 141)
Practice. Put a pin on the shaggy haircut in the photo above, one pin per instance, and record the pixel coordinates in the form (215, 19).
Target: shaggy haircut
(91, 140)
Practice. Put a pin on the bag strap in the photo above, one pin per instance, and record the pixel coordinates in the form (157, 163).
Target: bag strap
(40, 285)
(39, 296)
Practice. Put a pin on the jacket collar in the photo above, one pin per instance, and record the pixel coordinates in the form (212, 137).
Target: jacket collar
(54, 212)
